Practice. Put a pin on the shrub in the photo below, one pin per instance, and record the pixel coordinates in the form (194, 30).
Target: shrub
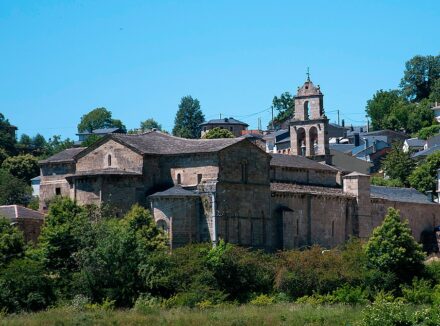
(312, 271)
(432, 270)
(420, 292)
(384, 313)
(350, 295)
(25, 286)
(146, 304)
(392, 248)
(262, 300)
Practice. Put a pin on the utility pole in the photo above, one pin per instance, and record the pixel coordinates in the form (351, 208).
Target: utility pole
(220, 115)
(272, 118)
(338, 117)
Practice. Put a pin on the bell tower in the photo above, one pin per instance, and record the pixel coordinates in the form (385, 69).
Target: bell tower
(309, 127)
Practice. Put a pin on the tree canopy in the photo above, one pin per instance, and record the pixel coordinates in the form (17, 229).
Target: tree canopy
(11, 242)
(7, 140)
(424, 176)
(24, 167)
(393, 249)
(420, 75)
(97, 119)
(285, 105)
(398, 164)
(13, 190)
(218, 132)
(150, 124)
(188, 118)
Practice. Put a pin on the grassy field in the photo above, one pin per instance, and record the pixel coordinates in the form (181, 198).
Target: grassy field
(279, 314)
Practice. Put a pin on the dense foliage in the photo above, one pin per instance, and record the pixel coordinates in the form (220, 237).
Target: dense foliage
(13, 190)
(218, 132)
(97, 119)
(398, 164)
(24, 167)
(188, 118)
(424, 176)
(285, 107)
(408, 108)
(88, 258)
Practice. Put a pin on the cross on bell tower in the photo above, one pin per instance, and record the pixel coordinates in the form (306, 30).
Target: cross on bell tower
(309, 127)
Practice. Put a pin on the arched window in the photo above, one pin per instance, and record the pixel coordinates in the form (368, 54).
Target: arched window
(109, 160)
(179, 179)
(306, 110)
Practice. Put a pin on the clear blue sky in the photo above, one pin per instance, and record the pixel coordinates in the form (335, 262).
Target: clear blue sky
(60, 59)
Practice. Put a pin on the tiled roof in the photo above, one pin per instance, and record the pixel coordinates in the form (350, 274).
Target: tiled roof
(65, 156)
(300, 162)
(155, 142)
(225, 121)
(17, 212)
(295, 188)
(408, 195)
(176, 191)
(427, 151)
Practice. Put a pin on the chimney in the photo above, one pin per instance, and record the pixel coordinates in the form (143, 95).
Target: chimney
(356, 140)
(343, 123)
(358, 185)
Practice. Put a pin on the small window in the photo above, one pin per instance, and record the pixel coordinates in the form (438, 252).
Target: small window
(244, 172)
(58, 191)
(333, 229)
(179, 179)
(230, 128)
(199, 178)
(109, 160)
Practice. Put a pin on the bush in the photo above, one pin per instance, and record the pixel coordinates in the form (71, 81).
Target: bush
(350, 295)
(146, 304)
(420, 292)
(384, 313)
(315, 271)
(24, 286)
(262, 300)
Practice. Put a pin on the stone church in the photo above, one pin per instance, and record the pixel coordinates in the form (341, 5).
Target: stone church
(231, 189)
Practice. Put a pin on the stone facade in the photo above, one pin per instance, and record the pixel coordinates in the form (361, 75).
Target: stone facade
(231, 189)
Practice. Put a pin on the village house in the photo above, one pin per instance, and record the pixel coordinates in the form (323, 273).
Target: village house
(231, 189)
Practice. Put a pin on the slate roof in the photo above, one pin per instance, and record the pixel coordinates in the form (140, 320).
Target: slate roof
(316, 190)
(102, 131)
(344, 148)
(407, 195)
(155, 142)
(224, 121)
(65, 156)
(415, 142)
(176, 191)
(427, 151)
(104, 172)
(16, 212)
(299, 162)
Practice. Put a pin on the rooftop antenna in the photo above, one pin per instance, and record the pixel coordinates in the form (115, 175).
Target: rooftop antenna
(308, 74)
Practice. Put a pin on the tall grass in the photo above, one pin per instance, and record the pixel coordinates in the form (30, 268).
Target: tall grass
(278, 314)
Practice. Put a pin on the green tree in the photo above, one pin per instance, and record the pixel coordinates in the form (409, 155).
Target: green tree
(55, 145)
(39, 145)
(420, 116)
(218, 132)
(64, 233)
(24, 167)
(11, 242)
(424, 176)
(99, 118)
(13, 190)
(3, 155)
(380, 106)
(7, 140)
(398, 165)
(150, 124)
(435, 92)
(379, 181)
(24, 145)
(24, 286)
(91, 139)
(188, 118)
(285, 105)
(427, 132)
(111, 266)
(421, 73)
(392, 248)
